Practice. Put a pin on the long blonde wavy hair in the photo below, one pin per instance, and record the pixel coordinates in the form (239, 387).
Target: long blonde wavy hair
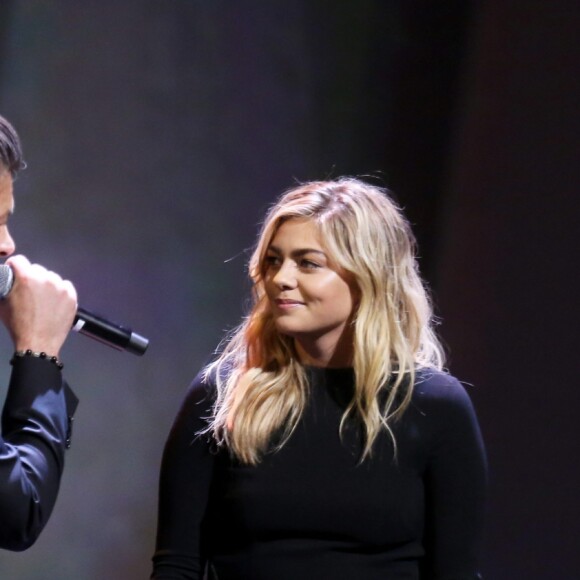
(262, 387)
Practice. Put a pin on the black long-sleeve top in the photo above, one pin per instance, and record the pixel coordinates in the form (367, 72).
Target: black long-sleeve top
(36, 425)
(312, 510)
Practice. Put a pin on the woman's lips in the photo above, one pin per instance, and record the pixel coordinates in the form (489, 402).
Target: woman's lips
(285, 303)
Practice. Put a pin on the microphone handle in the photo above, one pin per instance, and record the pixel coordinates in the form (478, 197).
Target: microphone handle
(90, 324)
(104, 331)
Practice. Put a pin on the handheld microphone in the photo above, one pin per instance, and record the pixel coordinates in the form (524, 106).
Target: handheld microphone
(89, 324)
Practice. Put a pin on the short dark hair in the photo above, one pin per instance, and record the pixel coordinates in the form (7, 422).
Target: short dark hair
(10, 149)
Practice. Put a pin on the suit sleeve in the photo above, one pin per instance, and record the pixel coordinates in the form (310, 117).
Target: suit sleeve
(36, 430)
(184, 487)
(456, 483)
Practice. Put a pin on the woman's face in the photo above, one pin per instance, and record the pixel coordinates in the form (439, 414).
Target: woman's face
(311, 299)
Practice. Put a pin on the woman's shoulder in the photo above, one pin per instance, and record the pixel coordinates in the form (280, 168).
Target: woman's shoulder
(435, 388)
(203, 390)
(203, 387)
(442, 408)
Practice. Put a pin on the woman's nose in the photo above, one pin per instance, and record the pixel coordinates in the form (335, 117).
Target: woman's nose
(285, 276)
(7, 245)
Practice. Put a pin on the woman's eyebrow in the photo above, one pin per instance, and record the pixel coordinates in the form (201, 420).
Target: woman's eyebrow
(299, 252)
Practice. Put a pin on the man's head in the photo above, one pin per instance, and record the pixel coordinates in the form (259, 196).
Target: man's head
(10, 150)
(11, 162)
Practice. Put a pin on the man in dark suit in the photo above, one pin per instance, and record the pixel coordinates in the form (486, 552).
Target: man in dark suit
(36, 418)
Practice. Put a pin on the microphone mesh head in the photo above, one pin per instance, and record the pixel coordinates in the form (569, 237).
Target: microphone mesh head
(6, 280)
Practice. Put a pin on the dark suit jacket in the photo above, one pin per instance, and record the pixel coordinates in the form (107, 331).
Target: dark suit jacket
(36, 430)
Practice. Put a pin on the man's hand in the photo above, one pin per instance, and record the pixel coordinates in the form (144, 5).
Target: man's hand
(40, 309)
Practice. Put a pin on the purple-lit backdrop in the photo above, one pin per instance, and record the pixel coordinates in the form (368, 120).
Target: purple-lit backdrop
(158, 132)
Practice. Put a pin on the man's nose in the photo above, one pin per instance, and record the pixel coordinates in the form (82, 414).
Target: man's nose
(7, 245)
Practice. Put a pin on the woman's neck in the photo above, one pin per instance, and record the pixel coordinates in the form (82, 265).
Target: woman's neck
(339, 355)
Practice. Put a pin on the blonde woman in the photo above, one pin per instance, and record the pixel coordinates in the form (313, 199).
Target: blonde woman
(326, 441)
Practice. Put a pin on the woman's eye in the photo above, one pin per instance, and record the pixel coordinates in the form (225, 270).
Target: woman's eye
(309, 264)
(270, 261)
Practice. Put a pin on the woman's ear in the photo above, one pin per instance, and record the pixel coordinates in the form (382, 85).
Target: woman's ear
(355, 290)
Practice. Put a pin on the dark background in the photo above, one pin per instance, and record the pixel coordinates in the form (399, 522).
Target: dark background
(157, 132)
